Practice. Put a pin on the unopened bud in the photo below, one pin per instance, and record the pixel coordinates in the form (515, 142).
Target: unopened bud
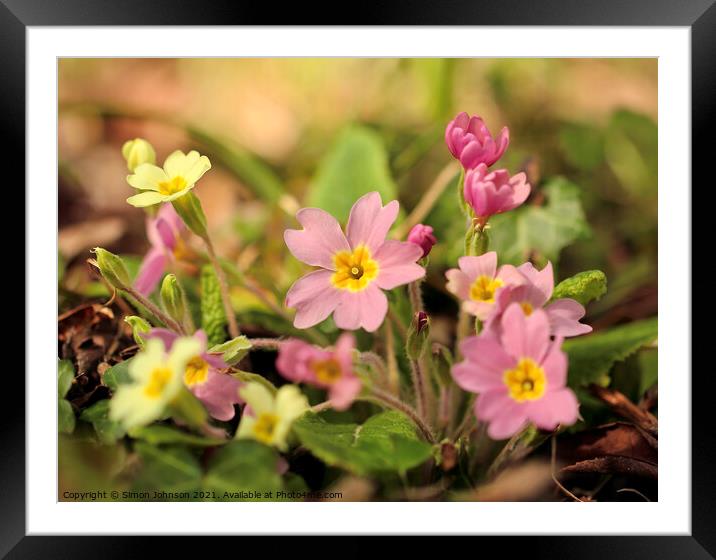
(418, 335)
(173, 298)
(139, 326)
(112, 268)
(137, 152)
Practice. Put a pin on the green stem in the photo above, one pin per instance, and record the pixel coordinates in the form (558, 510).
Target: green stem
(381, 397)
(154, 310)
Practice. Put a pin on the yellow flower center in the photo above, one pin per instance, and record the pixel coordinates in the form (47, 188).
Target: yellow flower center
(527, 308)
(172, 186)
(265, 426)
(327, 371)
(354, 270)
(158, 380)
(196, 371)
(483, 289)
(526, 382)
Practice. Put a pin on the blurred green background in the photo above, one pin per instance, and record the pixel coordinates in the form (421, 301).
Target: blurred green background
(283, 133)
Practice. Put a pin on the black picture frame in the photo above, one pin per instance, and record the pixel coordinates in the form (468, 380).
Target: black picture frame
(699, 15)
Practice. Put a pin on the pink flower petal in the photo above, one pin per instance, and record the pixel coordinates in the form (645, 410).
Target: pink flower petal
(219, 393)
(314, 298)
(554, 408)
(366, 309)
(458, 283)
(474, 267)
(487, 364)
(508, 422)
(319, 240)
(397, 266)
(555, 366)
(489, 403)
(294, 357)
(344, 392)
(150, 272)
(525, 336)
(543, 279)
(343, 351)
(564, 315)
(369, 221)
(165, 335)
(521, 190)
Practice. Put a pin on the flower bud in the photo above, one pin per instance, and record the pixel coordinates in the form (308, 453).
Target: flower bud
(112, 268)
(139, 326)
(190, 211)
(173, 298)
(137, 152)
(489, 193)
(469, 141)
(418, 334)
(422, 235)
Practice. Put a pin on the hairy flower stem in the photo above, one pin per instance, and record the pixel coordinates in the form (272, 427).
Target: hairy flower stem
(390, 401)
(416, 297)
(418, 378)
(374, 361)
(154, 310)
(265, 343)
(393, 375)
(223, 287)
(320, 407)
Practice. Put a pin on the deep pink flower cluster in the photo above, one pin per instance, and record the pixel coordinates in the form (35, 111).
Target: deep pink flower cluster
(485, 192)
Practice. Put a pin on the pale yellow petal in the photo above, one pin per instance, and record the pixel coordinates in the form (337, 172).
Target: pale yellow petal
(146, 198)
(197, 169)
(257, 397)
(246, 428)
(131, 408)
(142, 365)
(290, 403)
(147, 177)
(177, 163)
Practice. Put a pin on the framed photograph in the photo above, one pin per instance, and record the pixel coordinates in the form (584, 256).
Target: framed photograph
(426, 274)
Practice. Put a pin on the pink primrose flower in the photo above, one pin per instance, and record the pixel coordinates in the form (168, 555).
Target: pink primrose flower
(354, 268)
(563, 314)
(477, 282)
(328, 369)
(519, 376)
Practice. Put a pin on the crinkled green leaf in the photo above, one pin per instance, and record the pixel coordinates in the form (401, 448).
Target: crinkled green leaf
(583, 287)
(65, 375)
(108, 431)
(170, 469)
(117, 375)
(213, 317)
(386, 442)
(233, 350)
(65, 417)
(159, 434)
(356, 164)
(593, 355)
(243, 466)
(546, 229)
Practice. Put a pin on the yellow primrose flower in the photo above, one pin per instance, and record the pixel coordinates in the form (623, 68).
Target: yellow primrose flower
(157, 378)
(137, 152)
(270, 418)
(180, 173)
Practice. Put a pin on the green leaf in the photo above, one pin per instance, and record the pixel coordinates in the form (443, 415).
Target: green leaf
(159, 434)
(213, 317)
(117, 375)
(65, 417)
(243, 466)
(65, 376)
(108, 431)
(356, 164)
(583, 287)
(233, 350)
(546, 229)
(386, 442)
(583, 145)
(592, 356)
(167, 468)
